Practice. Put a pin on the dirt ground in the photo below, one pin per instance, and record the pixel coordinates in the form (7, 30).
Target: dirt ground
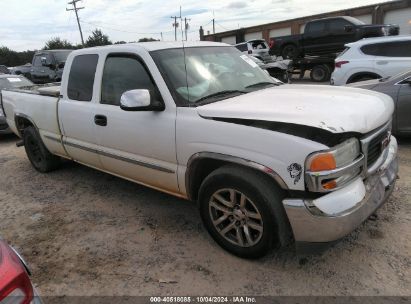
(84, 232)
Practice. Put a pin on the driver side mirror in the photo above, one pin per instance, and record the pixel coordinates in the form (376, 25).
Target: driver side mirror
(139, 100)
(348, 28)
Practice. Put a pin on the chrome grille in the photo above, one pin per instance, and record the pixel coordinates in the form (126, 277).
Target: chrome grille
(373, 148)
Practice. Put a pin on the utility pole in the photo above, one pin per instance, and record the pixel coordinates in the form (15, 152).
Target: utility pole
(186, 26)
(175, 25)
(75, 9)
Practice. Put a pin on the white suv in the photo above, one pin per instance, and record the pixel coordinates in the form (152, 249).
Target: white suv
(372, 58)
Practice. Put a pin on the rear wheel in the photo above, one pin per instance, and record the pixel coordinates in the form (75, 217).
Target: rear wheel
(320, 73)
(242, 211)
(41, 159)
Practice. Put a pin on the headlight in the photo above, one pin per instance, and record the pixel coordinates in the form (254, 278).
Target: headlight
(329, 170)
(341, 155)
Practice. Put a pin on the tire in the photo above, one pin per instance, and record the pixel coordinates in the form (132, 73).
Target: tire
(290, 51)
(41, 159)
(320, 73)
(265, 217)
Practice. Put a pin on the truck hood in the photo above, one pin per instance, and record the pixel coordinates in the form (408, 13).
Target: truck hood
(335, 109)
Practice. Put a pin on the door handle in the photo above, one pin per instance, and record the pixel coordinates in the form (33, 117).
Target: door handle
(382, 62)
(100, 120)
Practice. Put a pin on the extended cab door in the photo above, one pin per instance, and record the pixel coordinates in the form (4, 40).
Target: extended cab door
(137, 145)
(76, 110)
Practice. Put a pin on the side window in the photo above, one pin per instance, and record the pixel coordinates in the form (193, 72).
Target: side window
(37, 61)
(316, 27)
(242, 47)
(81, 79)
(124, 73)
(338, 25)
(389, 49)
(370, 49)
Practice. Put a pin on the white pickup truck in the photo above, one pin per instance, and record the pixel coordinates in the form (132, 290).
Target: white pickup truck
(268, 163)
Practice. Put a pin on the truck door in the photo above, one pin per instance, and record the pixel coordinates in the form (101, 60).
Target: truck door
(403, 108)
(315, 37)
(138, 145)
(76, 111)
(340, 31)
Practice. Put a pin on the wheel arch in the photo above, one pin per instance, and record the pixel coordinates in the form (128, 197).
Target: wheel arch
(200, 165)
(23, 121)
(364, 73)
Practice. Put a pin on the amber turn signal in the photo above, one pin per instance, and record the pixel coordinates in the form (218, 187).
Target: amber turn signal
(323, 162)
(330, 185)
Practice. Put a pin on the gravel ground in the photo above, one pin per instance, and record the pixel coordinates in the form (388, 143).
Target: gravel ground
(84, 232)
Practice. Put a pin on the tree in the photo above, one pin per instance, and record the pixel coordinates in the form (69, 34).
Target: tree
(12, 58)
(56, 43)
(97, 38)
(147, 39)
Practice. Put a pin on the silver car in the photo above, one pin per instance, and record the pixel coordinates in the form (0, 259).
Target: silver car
(8, 81)
(257, 48)
(399, 88)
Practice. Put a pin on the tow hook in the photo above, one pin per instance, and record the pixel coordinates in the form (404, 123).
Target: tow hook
(20, 143)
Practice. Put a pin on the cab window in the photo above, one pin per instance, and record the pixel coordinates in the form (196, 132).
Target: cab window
(81, 79)
(124, 73)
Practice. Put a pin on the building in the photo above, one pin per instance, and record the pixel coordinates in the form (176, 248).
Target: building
(394, 12)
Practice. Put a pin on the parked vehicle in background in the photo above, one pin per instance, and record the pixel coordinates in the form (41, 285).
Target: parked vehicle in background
(4, 69)
(279, 69)
(15, 284)
(268, 163)
(327, 36)
(257, 48)
(372, 58)
(48, 66)
(22, 70)
(8, 81)
(399, 88)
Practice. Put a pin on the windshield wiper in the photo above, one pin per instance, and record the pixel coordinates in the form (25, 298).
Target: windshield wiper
(260, 84)
(384, 79)
(219, 94)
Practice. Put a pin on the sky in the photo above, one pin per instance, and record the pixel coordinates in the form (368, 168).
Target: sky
(28, 24)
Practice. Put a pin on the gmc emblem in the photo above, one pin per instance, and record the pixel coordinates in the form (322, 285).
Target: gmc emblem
(386, 141)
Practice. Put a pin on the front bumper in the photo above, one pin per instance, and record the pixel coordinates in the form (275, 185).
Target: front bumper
(310, 224)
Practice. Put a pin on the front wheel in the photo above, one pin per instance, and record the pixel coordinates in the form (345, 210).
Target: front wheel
(41, 159)
(242, 211)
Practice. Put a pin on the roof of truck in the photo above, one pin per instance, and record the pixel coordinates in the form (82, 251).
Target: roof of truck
(160, 45)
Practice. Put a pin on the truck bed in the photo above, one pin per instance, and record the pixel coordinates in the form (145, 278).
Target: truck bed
(39, 103)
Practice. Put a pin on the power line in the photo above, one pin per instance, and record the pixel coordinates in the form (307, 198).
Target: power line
(76, 9)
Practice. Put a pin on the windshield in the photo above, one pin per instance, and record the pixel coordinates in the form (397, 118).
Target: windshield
(14, 82)
(61, 56)
(208, 74)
